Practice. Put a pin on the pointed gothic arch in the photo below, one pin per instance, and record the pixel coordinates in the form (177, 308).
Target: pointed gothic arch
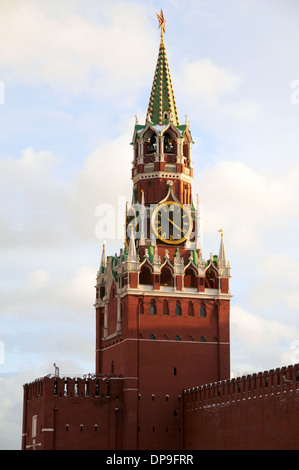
(211, 278)
(178, 309)
(190, 309)
(168, 143)
(146, 275)
(165, 307)
(215, 310)
(166, 278)
(203, 310)
(187, 141)
(149, 137)
(153, 307)
(190, 278)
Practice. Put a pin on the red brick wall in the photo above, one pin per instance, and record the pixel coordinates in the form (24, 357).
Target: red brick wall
(155, 189)
(166, 365)
(66, 421)
(260, 411)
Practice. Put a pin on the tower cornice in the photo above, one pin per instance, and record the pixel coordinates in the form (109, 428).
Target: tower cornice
(162, 174)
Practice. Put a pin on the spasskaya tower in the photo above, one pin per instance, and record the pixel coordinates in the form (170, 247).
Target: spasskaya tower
(162, 311)
(162, 374)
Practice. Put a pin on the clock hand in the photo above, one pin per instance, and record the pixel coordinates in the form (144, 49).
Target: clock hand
(179, 228)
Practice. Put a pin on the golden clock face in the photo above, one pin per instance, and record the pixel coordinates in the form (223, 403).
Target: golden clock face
(171, 222)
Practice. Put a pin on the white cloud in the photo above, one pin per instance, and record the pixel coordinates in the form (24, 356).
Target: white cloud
(31, 210)
(103, 179)
(68, 49)
(40, 208)
(278, 288)
(252, 206)
(261, 343)
(215, 89)
(10, 413)
(209, 81)
(258, 332)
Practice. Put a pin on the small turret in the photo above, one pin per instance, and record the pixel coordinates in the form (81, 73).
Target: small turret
(104, 257)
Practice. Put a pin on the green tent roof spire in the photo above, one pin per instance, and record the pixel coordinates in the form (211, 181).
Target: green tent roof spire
(162, 106)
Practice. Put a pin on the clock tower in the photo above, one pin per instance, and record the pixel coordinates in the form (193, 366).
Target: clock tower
(162, 311)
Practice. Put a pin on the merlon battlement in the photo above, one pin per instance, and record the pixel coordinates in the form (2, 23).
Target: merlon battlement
(272, 382)
(90, 385)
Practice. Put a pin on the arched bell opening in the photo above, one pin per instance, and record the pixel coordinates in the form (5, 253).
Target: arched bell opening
(168, 143)
(150, 146)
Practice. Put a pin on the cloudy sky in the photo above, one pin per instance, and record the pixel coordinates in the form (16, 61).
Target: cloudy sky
(73, 74)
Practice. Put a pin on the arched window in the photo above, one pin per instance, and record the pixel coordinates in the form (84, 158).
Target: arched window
(166, 277)
(215, 311)
(190, 309)
(202, 339)
(102, 292)
(152, 336)
(146, 275)
(211, 279)
(190, 279)
(165, 307)
(112, 367)
(203, 312)
(153, 309)
(178, 338)
(178, 309)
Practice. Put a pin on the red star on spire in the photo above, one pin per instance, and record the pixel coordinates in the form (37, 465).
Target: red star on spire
(162, 22)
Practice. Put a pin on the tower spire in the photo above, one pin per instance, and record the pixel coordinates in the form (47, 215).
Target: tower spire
(162, 105)
(222, 255)
(104, 258)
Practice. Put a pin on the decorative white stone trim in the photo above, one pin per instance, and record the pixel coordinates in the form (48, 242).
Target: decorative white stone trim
(162, 341)
(162, 174)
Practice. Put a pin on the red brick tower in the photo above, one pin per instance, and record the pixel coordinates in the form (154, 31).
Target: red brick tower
(162, 312)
